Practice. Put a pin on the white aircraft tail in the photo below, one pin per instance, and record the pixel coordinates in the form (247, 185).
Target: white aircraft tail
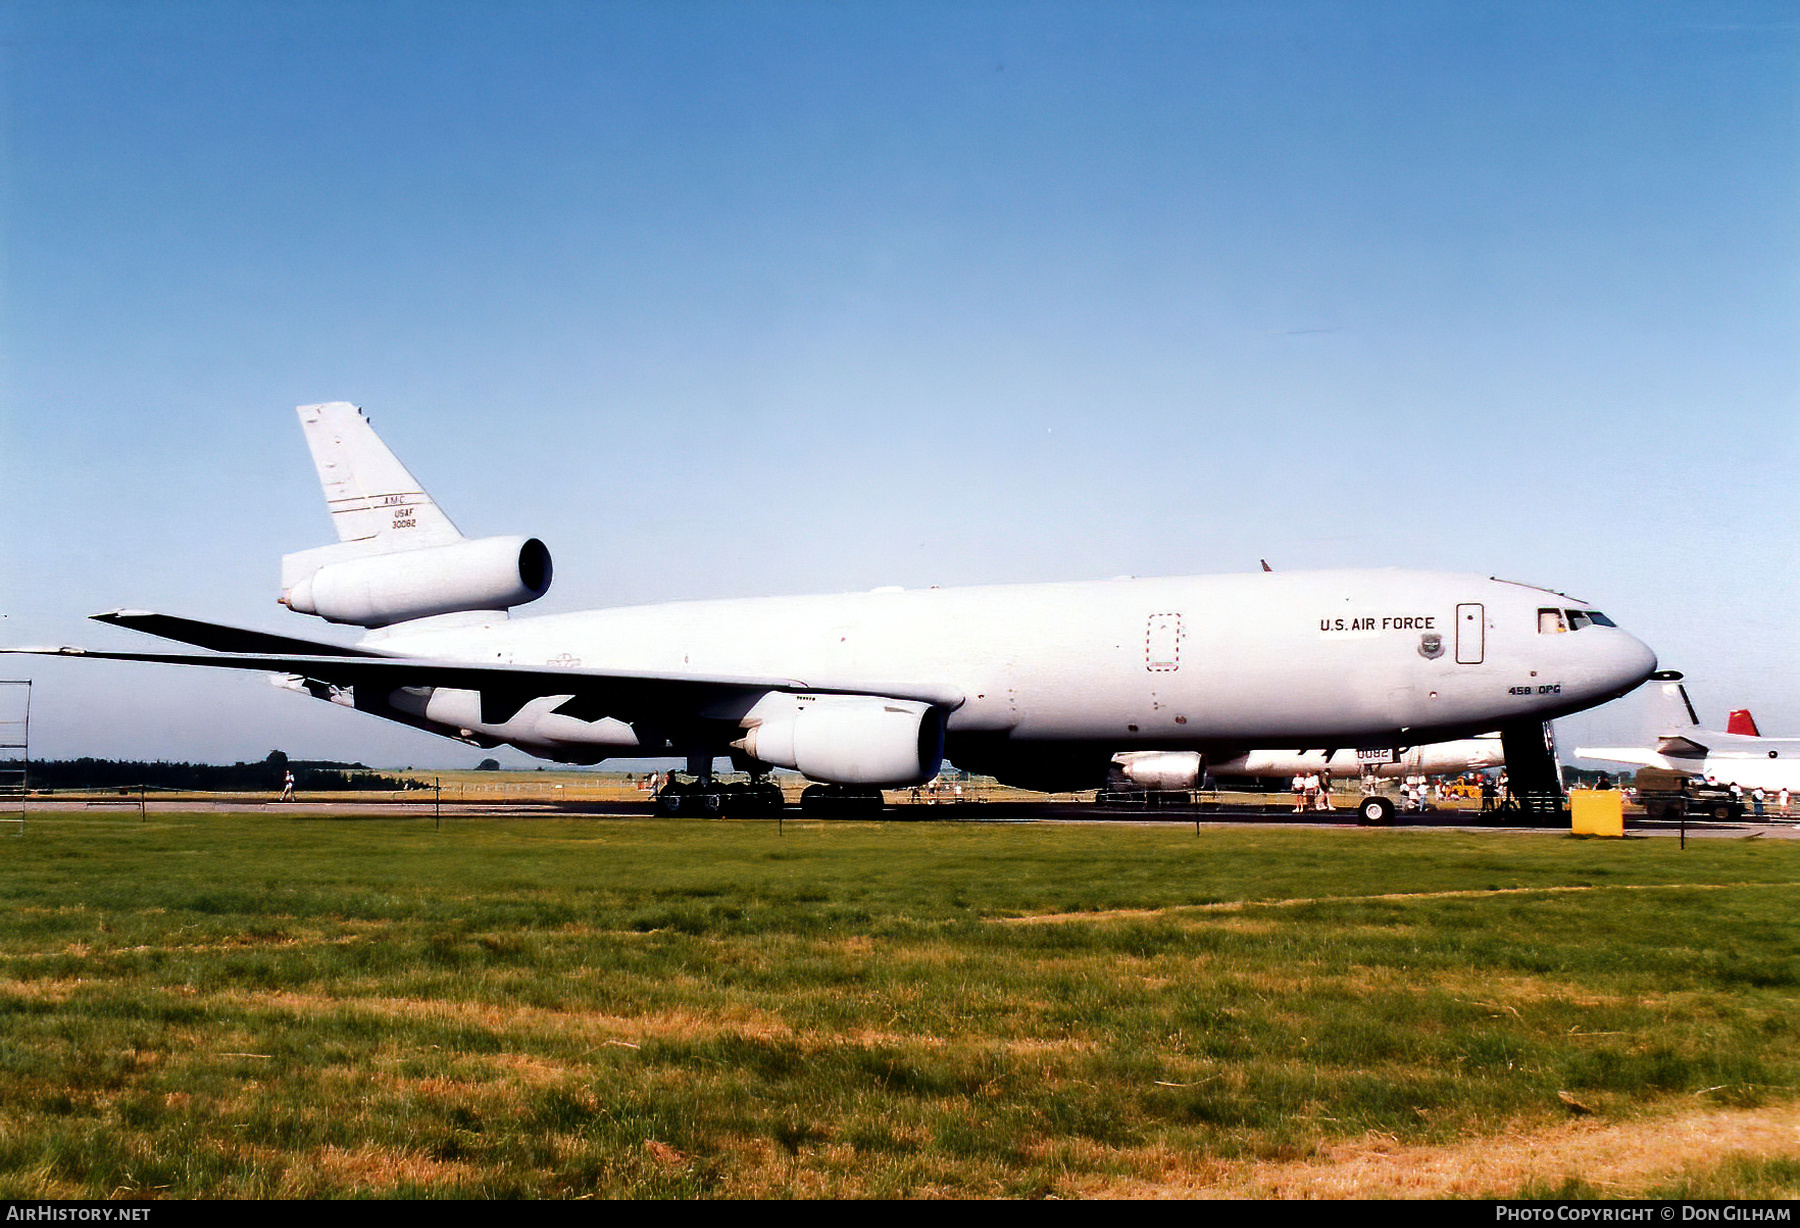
(372, 497)
(1674, 727)
(1672, 714)
(397, 558)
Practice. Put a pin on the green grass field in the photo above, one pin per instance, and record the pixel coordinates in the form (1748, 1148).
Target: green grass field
(259, 1006)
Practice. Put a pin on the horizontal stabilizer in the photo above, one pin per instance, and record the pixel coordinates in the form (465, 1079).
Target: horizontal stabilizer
(221, 638)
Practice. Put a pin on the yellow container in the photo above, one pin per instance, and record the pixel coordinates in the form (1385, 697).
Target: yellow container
(1597, 812)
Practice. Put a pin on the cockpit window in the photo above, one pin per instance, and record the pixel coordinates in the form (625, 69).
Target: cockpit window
(1550, 622)
(1581, 618)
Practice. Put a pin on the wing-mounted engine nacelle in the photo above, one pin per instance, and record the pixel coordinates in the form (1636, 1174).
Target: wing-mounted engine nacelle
(847, 739)
(1161, 769)
(489, 573)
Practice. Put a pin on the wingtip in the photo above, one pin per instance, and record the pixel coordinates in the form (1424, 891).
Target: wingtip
(117, 616)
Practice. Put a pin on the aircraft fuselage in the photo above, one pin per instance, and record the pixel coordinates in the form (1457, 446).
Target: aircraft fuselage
(1320, 659)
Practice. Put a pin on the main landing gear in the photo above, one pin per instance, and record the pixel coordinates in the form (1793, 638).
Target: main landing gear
(1375, 811)
(709, 799)
(842, 800)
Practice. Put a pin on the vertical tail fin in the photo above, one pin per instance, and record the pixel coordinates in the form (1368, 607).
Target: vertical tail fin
(372, 498)
(1742, 722)
(376, 506)
(1672, 712)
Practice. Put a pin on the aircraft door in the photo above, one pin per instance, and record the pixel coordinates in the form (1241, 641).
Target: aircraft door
(1471, 634)
(1162, 643)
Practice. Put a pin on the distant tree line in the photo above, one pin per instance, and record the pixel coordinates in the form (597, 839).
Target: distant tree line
(311, 775)
(1588, 778)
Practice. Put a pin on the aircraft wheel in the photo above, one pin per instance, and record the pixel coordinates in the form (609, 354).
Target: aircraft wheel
(1375, 812)
(669, 803)
(712, 805)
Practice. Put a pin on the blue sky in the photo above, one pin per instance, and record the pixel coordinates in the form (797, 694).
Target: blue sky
(728, 299)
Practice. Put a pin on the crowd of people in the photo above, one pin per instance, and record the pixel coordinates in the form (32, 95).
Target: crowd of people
(1312, 792)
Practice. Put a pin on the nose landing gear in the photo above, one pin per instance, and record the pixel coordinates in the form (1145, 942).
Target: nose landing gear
(1534, 780)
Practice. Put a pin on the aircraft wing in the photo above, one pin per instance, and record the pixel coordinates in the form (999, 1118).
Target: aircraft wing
(504, 689)
(221, 638)
(1624, 754)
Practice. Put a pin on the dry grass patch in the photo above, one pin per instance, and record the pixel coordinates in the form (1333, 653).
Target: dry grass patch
(1626, 1159)
(43, 990)
(523, 1021)
(373, 1169)
(1178, 911)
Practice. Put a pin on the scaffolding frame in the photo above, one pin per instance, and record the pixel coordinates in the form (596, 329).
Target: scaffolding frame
(15, 749)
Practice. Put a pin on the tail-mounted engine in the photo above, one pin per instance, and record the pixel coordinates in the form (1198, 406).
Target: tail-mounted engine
(489, 573)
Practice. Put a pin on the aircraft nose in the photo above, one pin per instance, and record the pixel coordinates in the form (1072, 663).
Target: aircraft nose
(1624, 663)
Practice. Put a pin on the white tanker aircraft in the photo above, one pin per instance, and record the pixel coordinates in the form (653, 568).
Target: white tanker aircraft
(1037, 685)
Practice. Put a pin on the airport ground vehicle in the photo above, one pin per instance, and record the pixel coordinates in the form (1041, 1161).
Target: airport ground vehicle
(1666, 794)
